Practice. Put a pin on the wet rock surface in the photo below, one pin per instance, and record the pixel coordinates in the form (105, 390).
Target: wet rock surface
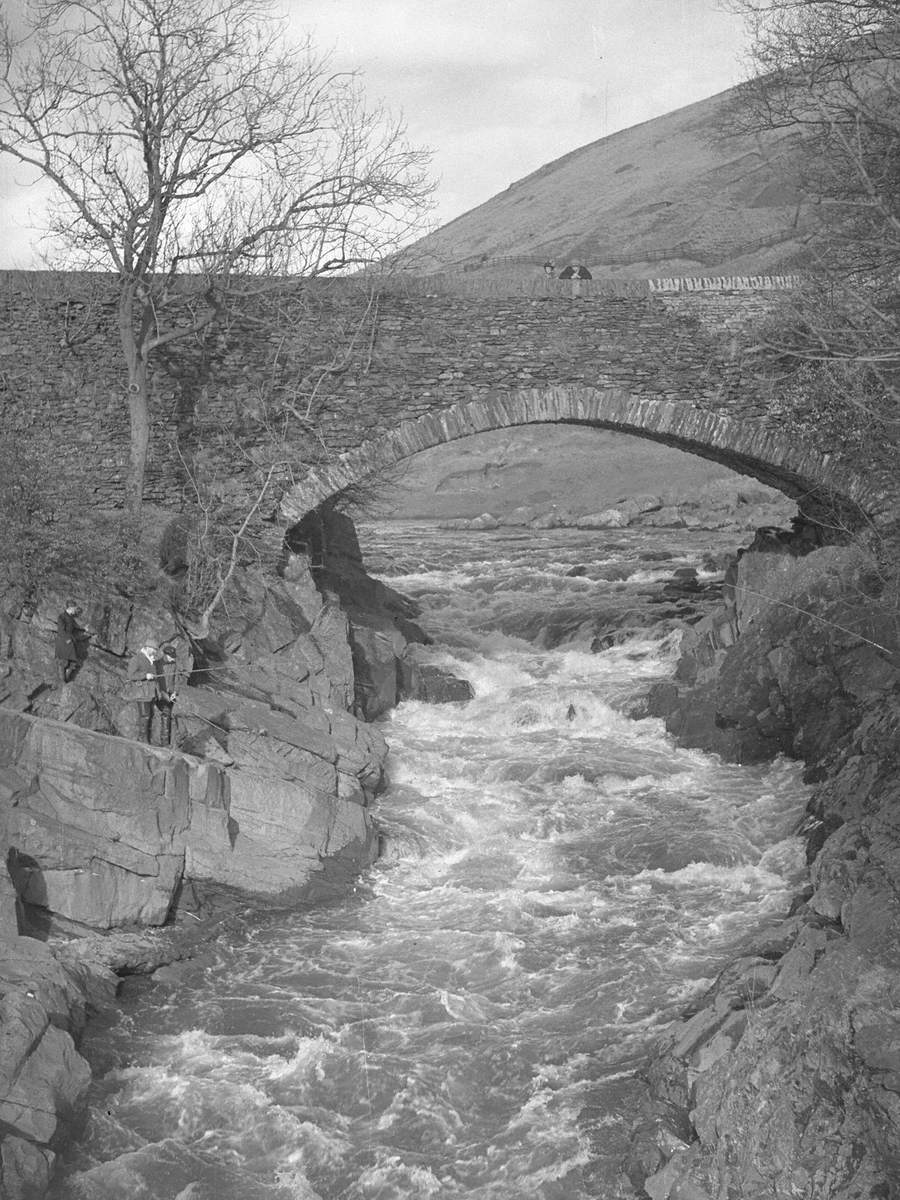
(48, 990)
(784, 1080)
(123, 856)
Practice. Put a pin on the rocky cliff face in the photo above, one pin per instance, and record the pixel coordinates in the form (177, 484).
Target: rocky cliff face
(269, 770)
(265, 789)
(785, 1080)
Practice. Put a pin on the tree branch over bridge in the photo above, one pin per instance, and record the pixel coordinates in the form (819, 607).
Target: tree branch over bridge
(190, 148)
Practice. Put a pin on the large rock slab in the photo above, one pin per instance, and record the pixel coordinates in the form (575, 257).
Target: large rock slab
(41, 1072)
(93, 825)
(277, 836)
(100, 830)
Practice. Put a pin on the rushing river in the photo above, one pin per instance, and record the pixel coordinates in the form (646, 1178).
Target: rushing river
(558, 882)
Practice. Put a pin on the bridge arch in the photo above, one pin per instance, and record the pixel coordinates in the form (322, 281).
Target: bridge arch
(823, 489)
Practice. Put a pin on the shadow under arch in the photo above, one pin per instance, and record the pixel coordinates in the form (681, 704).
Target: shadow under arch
(824, 490)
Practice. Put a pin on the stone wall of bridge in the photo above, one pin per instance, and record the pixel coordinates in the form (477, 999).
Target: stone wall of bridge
(825, 489)
(330, 367)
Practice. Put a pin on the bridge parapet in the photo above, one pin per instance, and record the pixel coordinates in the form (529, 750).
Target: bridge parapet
(353, 367)
(724, 283)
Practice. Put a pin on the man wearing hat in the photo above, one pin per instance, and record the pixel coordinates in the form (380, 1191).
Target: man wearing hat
(142, 685)
(71, 642)
(166, 691)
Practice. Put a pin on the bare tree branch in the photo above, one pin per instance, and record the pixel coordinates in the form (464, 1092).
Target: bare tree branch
(190, 146)
(827, 74)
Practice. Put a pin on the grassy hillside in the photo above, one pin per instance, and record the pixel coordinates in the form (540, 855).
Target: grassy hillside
(670, 196)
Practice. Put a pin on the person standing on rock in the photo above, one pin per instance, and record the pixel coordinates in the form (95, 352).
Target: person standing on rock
(142, 687)
(71, 642)
(166, 691)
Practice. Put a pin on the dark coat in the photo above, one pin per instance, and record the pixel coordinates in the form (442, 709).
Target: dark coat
(70, 638)
(168, 678)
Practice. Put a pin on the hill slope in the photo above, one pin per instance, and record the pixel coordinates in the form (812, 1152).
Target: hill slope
(547, 469)
(669, 196)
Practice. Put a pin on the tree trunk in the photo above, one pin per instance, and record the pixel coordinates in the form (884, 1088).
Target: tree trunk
(138, 403)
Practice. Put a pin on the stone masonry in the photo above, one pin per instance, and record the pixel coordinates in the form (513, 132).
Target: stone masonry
(352, 380)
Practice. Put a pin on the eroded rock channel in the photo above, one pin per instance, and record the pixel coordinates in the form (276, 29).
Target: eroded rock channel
(781, 1081)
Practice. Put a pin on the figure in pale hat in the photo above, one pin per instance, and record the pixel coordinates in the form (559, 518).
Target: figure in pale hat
(142, 685)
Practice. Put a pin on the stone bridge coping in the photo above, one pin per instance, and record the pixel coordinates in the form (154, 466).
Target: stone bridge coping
(742, 444)
(725, 283)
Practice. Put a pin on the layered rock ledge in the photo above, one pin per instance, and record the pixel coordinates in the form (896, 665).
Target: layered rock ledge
(784, 1080)
(264, 792)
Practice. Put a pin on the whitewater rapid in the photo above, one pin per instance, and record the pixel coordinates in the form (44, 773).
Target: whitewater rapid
(558, 881)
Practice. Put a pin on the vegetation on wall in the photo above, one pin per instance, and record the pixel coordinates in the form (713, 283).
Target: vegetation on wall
(199, 160)
(51, 527)
(830, 70)
(194, 153)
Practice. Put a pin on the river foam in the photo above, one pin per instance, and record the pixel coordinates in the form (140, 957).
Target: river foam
(558, 881)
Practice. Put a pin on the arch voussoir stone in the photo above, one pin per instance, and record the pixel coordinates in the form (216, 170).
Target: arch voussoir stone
(745, 445)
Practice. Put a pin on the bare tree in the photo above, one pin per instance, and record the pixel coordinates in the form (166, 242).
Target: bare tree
(828, 72)
(190, 148)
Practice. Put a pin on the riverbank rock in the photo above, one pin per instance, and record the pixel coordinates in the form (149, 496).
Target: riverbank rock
(735, 503)
(739, 504)
(272, 765)
(265, 791)
(785, 1079)
(268, 775)
(92, 825)
(780, 668)
(382, 631)
(43, 1078)
(610, 518)
(102, 831)
(48, 990)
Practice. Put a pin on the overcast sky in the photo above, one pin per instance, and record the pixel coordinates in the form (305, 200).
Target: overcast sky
(497, 88)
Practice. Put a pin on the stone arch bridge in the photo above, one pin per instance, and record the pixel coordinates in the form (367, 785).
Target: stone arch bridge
(666, 367)
(364, 378)
(824, 489)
